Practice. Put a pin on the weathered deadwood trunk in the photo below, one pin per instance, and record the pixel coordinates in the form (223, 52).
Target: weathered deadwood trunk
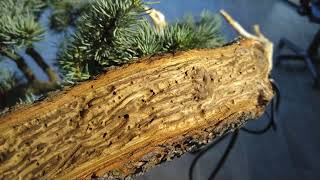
(136, 116)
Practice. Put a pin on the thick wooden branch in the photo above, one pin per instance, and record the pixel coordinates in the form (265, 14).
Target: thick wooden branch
(134, 117)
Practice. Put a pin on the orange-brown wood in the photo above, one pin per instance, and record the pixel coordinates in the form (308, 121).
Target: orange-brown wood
(136, 116)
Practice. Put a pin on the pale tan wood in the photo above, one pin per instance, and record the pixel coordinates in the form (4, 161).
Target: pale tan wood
(134, 117)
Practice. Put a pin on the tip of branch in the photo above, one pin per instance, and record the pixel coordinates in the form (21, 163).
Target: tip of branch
(258, 35)
(236, 25)
(226, 15)
(256, 29)
(157, 17)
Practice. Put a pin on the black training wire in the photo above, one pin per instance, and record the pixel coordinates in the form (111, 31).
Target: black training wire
(277, 97)
(230, 146)
(274, 106)
(271, 124)
(201, 153)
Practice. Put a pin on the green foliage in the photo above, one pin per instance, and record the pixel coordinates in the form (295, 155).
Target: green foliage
(17, 7)
(18, 22)
(66, 12)
(113, 33)
(99, 40)
(182, 35)
(29, 98)
(206, 32)
(8, 80)
(19, 31)
(19, 28)
(108, 33)
(145, 40)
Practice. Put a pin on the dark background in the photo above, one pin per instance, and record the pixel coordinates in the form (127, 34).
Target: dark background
(293, 151)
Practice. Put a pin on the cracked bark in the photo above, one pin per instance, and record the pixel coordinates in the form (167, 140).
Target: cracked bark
(136, 116)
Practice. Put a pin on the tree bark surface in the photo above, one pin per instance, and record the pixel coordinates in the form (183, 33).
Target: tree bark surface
(136, 116)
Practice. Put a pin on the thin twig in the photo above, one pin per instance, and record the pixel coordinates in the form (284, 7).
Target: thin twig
(225, 155)
(268, 45)
(237, 26)
(157, 17)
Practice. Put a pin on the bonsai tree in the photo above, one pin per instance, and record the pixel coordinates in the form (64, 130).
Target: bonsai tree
(114, 122)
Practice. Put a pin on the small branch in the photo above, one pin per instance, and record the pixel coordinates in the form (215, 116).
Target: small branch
(42, 64)
(36, 86)
(157, 17)
(40, 87)
(21, 64)
(237, 26)
(268, 45)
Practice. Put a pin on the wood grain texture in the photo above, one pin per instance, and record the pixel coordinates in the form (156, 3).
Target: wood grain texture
(137, 116)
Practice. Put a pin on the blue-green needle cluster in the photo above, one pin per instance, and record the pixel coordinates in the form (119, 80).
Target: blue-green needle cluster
(18, 23)
(111, 33)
